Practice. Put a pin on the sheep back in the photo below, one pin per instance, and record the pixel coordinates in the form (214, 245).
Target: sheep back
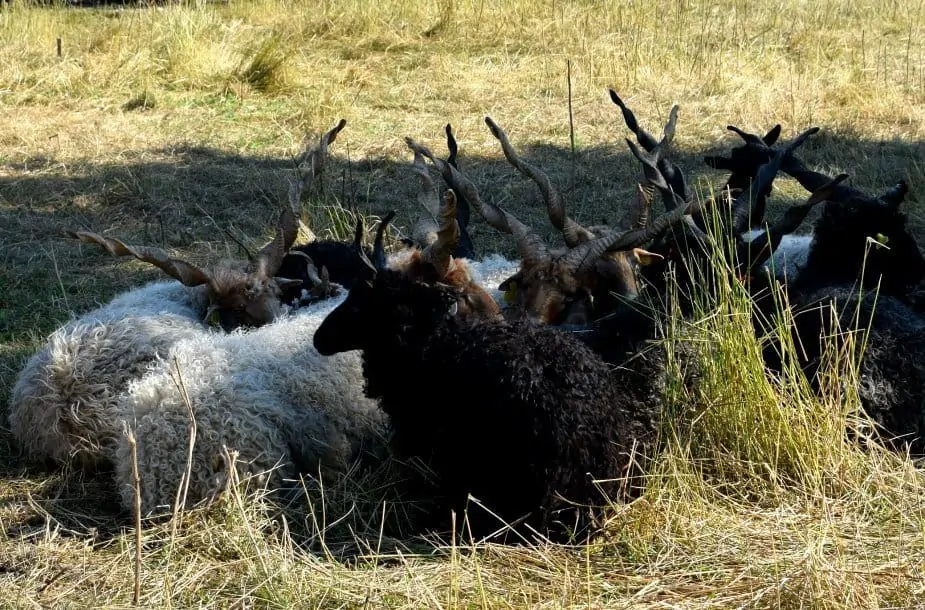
(265, 393)
(510, 412)
(62, 406)
(892, 370)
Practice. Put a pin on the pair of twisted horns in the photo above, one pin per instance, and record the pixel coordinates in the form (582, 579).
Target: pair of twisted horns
(310, 165)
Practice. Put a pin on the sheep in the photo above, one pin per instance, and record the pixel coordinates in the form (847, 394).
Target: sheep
(580, 261)
(264, 393)
(267, 394)
(612, 273)
(862, 262)
(891, 376)
(62, 403)
(746, 204)
(838, 240)
(537, 415)
(838, 249)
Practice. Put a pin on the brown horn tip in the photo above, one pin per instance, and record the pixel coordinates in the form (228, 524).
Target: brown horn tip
(439, 253)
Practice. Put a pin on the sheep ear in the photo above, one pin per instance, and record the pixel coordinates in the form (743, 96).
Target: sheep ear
(827, 190)
(644, 257)
(509, 287)
(285, 282)
(771, 137)
(510, 282)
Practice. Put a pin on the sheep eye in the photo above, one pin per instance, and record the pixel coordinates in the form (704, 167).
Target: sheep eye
(880, 240)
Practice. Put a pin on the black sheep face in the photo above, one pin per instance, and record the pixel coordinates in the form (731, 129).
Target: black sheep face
(743, 161)
(376, 312)
(868, 235)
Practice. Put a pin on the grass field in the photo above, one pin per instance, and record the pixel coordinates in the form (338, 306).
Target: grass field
(171, 125)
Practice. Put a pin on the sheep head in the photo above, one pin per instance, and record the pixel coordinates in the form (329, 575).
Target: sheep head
(436, 263)
(743, 161)
(429, 285)
(861, 232)
(235, 294)
(553, 285)
(306, 261)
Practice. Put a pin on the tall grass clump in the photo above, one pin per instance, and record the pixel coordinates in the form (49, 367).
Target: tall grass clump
(263, 68)
(761, 477)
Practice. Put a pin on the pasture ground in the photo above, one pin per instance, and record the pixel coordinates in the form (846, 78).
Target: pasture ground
(173, 125)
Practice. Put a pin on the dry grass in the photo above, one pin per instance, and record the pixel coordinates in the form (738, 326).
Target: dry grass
(166, 124)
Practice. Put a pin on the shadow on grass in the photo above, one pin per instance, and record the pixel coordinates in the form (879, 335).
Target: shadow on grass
(183, 198)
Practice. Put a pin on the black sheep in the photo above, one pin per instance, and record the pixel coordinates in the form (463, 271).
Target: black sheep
(339, 260)
(849, 223)
(514, 413)
(858, 232)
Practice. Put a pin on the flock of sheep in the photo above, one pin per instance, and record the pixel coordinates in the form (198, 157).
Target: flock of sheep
(527, 384)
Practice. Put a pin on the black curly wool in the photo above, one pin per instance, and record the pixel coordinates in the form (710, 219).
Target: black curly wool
(514, 413)
(892, 373)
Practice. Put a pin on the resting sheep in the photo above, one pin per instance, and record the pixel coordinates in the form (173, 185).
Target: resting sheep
(539, 414)
(264, 393)
(851, 223)
(61, 405)
(267, 394)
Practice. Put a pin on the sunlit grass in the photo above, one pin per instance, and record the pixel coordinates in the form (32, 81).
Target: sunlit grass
(170, 124)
